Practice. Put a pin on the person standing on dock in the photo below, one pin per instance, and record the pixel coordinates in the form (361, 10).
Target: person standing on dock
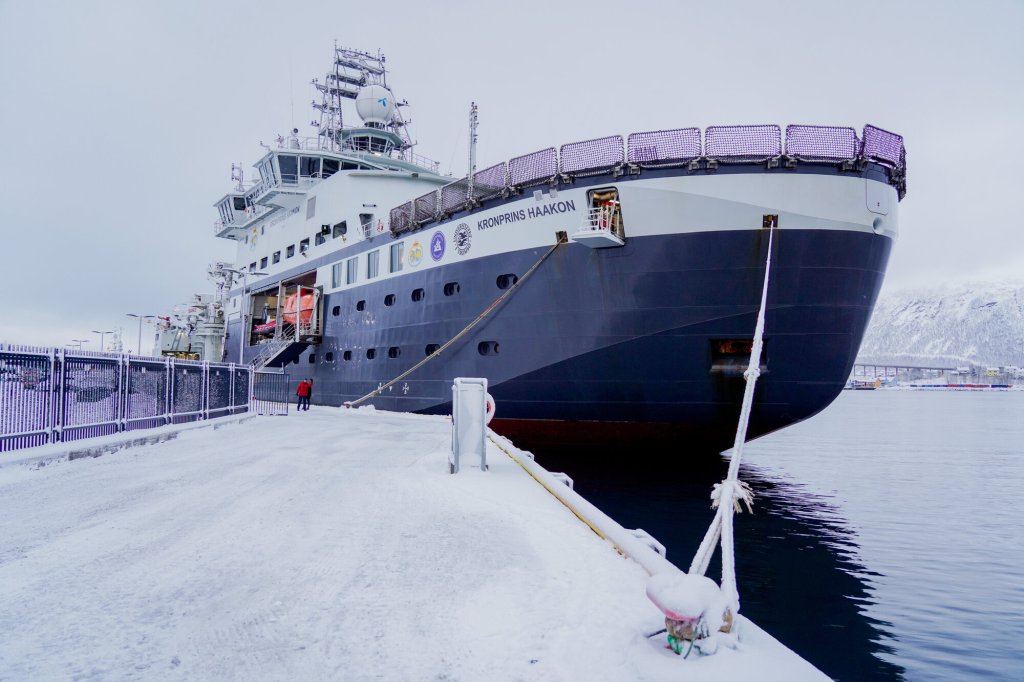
(304, 390)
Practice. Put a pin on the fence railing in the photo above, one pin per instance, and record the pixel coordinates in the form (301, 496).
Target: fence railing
(50, 395)
(659, 149)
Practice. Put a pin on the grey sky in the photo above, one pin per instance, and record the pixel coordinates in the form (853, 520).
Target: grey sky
(120, 120)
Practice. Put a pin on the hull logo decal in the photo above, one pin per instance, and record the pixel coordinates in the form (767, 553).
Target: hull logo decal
(463, 239)
(415, 254)
(437, 245)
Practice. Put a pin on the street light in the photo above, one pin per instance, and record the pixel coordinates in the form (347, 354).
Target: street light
(79, 342)
(102, 336)
(138, 348)
(242, 314)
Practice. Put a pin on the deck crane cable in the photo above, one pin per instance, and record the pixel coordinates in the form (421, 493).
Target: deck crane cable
(728, 495)
(479, 318)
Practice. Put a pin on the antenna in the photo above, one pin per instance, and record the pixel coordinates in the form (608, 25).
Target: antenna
(238, 175)
(472, 150)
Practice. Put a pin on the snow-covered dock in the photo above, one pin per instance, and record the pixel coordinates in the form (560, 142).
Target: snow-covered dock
(327, 545)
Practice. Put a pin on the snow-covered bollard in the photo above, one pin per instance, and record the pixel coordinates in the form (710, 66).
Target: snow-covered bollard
(695, 609)
(469, 422)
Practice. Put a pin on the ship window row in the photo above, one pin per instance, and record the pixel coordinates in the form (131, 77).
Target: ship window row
(484, 348)
(296, 168)
(417, 295)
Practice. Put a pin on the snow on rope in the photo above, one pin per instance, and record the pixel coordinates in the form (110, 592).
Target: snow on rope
(728, 495)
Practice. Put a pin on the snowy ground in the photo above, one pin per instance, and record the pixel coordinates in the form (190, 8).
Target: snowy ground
(327, 545)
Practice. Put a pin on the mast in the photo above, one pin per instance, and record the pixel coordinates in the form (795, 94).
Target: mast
(472, 150)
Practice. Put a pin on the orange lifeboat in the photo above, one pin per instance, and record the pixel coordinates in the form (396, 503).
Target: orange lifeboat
(306, 305)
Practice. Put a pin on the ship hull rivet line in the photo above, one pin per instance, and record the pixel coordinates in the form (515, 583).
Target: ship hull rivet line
(560, 239)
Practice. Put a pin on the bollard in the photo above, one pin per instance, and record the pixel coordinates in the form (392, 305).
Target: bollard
(469, 422)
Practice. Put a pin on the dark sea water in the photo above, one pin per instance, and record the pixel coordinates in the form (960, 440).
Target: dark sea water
(886, 539)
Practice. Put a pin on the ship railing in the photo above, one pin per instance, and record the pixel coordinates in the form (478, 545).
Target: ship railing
(672, 148)
(603, 218)
(50, 395)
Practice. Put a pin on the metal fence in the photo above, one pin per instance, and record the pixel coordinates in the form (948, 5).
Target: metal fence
(50, 395)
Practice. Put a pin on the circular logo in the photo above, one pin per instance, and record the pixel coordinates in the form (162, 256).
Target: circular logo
(437, 245)
(415, 254)
(463, 239)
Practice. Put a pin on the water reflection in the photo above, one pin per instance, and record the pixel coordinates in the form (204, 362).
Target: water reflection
(797, 566)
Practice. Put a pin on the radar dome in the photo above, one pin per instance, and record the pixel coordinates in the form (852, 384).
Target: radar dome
(375, 104)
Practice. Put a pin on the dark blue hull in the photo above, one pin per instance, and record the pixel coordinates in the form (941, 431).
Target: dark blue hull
(614, 343)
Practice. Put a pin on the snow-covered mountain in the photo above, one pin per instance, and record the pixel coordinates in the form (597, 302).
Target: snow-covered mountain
(980, 323)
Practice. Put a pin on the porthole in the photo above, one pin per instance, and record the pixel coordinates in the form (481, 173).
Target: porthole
(394, 352)
(451, 288)
(507, 280)
(417, 294)
(488, 348)
(371, 353)
(312, 358)
(336, 310)
(431, 349)
(360, 305)
(347, 355)
(389, 300)
(328, 357)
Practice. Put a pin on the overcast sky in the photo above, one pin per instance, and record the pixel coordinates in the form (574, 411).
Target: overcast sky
(120, 120)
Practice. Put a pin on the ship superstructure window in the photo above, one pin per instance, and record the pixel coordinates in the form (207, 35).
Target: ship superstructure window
(397, 256)
(267, 172)
(330, 167)
(372, 264)
(366, 222)
(336, 275)
(290, 251)
(304, 245)
(309, 166)
(319, 239)
(252, 267)
(340, 229)
(289, 166)
(276, 258)
(238, 203)
(351, 270)
(263, 262)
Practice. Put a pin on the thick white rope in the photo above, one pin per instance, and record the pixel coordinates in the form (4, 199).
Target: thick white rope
(728, 495)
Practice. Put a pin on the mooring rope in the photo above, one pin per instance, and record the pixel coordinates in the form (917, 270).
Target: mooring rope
(728, 495)
(475, 322)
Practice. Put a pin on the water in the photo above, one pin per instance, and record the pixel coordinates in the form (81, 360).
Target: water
(885, 543)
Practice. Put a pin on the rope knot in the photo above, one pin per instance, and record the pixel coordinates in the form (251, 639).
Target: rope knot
(752, 373)
(734, 491)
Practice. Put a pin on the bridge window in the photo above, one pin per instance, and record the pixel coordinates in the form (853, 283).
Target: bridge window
(238, 203)
(330, 167)
(289, 166)
(309, 166)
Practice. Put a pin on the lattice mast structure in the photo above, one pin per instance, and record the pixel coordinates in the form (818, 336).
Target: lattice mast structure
(353, 70)
(472, 150)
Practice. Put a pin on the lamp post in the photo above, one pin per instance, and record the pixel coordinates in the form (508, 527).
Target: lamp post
(138, 347)
(245, 299)
(79, 342)
(103, 335)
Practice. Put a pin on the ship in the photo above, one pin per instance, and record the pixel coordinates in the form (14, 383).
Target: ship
(607, 289)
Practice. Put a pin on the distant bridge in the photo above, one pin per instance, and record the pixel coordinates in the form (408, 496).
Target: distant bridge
(884, 370)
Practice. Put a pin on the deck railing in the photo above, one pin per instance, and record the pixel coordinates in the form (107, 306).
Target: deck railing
(50, 395)
(679, 147)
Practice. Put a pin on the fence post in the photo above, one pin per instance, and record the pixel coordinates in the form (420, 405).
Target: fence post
(61, 364)
(170, 390)
(50, 420)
